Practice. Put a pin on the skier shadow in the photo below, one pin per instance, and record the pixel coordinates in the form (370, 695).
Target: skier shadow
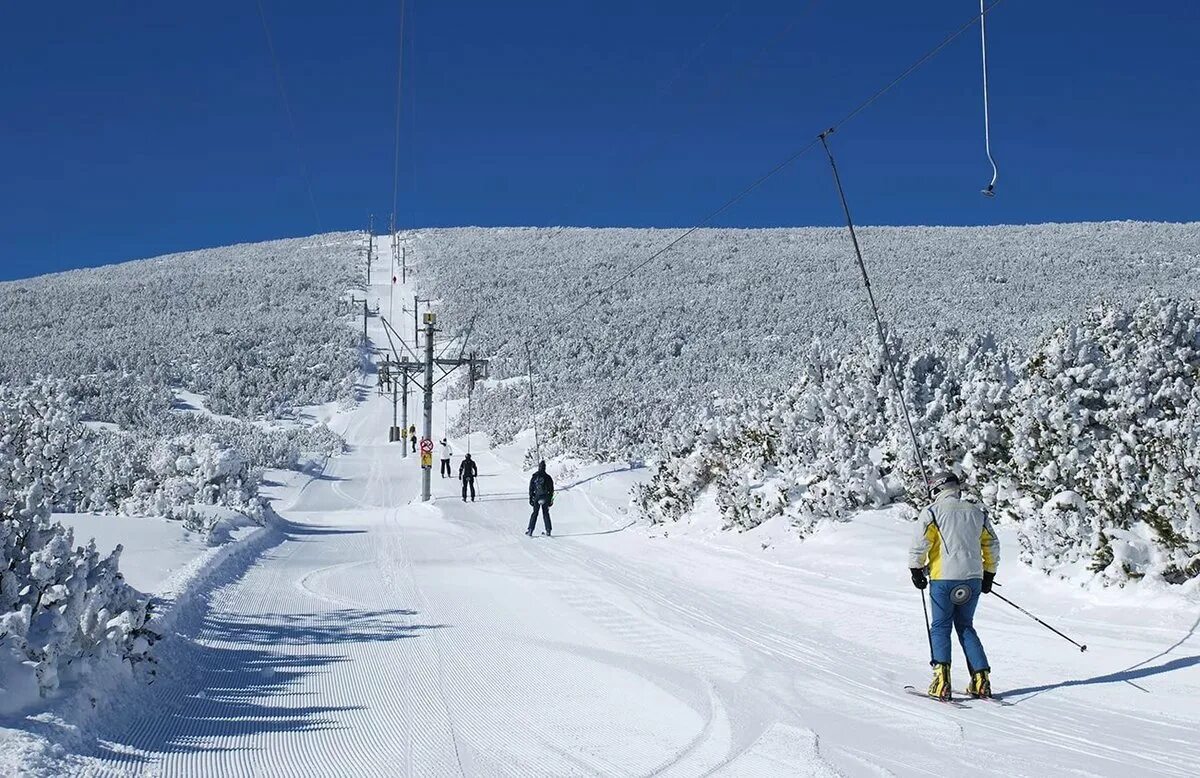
(295, 531)
(1140, 670)
(632, 466)
(598, 532)
(235, 682)
(1122, 675)
(488, 497)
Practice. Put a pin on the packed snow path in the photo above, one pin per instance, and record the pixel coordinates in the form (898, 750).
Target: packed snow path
(379, 637)
(373, 635)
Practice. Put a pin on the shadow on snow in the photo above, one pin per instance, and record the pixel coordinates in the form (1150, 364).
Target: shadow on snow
(231, 675)
(231, 682)
(1122, 675)
(1140, 670)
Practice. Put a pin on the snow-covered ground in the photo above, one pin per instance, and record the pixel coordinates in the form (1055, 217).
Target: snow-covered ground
(364, 633)
(154, 548)
(379, 637)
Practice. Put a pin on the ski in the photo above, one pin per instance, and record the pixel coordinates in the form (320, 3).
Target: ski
(914, 691)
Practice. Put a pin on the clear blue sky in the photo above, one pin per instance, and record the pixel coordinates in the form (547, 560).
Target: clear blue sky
(130, 129)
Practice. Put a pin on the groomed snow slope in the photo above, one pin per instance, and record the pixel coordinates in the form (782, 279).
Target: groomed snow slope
(379, 638)
(375, 636)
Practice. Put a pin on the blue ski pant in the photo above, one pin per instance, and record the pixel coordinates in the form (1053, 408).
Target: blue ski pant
(961, 617)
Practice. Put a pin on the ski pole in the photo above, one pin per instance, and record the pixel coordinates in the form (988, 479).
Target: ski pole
(1082, 648)
(928, 629)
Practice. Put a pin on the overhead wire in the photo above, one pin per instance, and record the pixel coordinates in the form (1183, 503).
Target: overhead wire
(696, 52)
(990, 191)
(758, 182)
(537, 440)
(399, 102)
(287, 108)
(412, 125)
(883, 344)
(787, 161)
(654, 151)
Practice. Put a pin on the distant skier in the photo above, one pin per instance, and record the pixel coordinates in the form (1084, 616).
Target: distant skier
(447, 452)
(412, 436)
(541, 495)
(466, 473)
(955, 539)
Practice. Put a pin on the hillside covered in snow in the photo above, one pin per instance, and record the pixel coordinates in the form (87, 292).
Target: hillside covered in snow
(732, 311)
(167, 374)
(161, 387)
(1045, 362)
(638, 639)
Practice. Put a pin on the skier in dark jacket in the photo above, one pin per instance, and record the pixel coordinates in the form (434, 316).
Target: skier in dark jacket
(466, 473)
(541, 494)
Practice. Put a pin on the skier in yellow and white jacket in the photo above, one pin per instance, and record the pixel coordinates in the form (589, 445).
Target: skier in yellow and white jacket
(955, 541)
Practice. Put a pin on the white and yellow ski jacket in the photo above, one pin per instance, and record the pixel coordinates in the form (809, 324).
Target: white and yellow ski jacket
(955, 539)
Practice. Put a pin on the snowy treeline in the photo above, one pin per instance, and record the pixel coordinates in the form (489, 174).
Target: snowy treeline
(252, 328)
(729, 310)
(91, 366)
(1088, 443)
(63, 609)
(45, 448)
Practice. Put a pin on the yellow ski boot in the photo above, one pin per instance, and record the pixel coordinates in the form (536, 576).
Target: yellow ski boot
(980, 685)
(940, 686)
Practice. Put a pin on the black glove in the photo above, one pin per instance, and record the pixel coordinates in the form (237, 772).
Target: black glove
(987, 582)
(918, 577)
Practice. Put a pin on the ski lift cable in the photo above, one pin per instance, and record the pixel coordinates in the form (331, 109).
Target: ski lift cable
(469, 421)
(883, 344)
(287, 109)
(462, 336)
(682, 68)
(719, 89)
(467, 336)
(389, 330)
(987, 130)
(786, 162)
(412, 126)
(537, 441)
(399, 102)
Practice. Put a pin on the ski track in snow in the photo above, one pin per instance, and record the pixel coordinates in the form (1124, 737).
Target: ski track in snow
(378, 636)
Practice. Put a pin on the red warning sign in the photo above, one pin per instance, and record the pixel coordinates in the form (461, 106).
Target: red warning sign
(426, 446)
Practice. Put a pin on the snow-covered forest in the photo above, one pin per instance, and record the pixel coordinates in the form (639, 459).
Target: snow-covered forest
(96, 368)
(103, 362)
(1087, 444)
(747, 348)
(1075, 423)
(730, 311)
(252, 328)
